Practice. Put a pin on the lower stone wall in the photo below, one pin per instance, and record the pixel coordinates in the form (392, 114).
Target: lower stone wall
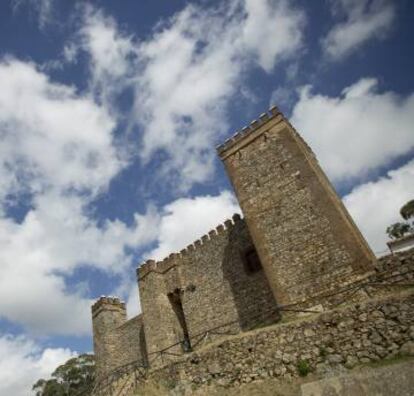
(396, 267)
(354, 334)
(131, 341)
(391, 273)
(374, 320)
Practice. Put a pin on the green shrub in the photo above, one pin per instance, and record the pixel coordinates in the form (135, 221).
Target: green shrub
(303, 368)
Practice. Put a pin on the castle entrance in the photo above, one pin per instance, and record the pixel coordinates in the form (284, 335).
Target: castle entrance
(177, 306)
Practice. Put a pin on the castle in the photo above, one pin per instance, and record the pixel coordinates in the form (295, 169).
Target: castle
(295, 246)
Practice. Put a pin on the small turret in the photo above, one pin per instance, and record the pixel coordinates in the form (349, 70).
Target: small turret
(108, 313)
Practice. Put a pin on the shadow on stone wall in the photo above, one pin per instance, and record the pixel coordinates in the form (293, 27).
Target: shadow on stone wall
(253, 297)
(143, 346)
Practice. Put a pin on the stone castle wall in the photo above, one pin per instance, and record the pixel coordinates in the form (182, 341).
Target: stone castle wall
(215, 288)
(132, 345)
(342, 338)
(117, 341)
(354, 333)
(107, 314)
(295, 247)
(306, 240)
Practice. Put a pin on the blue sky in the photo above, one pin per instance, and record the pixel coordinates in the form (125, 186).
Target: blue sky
(109, 117)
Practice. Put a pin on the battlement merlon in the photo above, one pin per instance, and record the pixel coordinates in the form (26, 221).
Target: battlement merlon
(171, 261)
(108, 303)
(254, 130)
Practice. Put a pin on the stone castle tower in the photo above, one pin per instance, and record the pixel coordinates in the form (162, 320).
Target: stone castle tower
(306, 240)
(294, 246)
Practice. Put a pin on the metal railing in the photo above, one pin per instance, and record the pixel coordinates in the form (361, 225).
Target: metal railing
(108, 385)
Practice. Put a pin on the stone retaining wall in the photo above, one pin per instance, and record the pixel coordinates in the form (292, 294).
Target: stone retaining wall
(354, 334)
(399, 265)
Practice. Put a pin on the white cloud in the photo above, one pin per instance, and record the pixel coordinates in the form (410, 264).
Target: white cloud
(357, 132)
(187, 219)
(133, 303)
(57, 153)
(185, 75)
(205, 52)
(54, 239)
(43, 8)
(51, 136)
(23, 362)
(111, 52)
(376, 205)
(363, 20)
(272, 30)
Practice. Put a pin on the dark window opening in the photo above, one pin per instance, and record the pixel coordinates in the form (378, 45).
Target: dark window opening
(252, 261)
(175, 300)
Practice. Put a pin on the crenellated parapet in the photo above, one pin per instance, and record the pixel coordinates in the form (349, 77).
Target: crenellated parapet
(249, 130)
(145, 268)
(172, 261)
(256, 128)
(107, 303)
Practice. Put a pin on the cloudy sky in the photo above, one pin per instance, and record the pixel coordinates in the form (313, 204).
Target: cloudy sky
(109, 115)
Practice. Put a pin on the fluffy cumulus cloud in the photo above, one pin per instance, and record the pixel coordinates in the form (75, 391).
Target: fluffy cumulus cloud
(54, 239)
(376, 205)
(359, 21)
(57, 154)
(187, 219)
(23, 362)
(370, 127)
(51, 137)
(185, 74)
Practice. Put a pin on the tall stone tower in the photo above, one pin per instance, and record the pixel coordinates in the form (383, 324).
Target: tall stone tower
(108, 313)
(306, 241)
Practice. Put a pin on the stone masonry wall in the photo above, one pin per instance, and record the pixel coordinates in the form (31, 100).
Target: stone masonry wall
(131, 346)
(397, 266)
(354, 334)
(162, 328)
(117, 341)
(107, 314)
(306, 240)
(214, 286)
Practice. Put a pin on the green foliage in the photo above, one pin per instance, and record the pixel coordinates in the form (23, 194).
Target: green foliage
(303, 368)
(69, 379)
(407, 211)
(398, 230)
